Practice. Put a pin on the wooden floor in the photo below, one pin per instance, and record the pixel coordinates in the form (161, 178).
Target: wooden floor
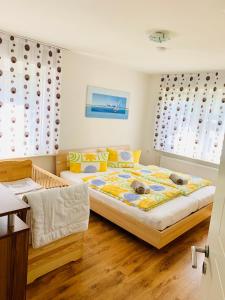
(116, 265)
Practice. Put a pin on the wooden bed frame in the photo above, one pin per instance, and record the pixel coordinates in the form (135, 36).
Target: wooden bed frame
(56, 254)
(152, 236)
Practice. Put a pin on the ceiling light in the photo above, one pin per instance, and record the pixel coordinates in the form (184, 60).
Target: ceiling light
(159, 36)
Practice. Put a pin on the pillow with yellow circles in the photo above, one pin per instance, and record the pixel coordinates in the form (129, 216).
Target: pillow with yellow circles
(88, 162)
(123, 158)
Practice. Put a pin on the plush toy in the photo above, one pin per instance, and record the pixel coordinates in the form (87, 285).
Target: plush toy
(178, 179)
(140, 187)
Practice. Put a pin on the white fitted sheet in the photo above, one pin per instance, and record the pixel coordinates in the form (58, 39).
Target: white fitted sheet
(159, 217)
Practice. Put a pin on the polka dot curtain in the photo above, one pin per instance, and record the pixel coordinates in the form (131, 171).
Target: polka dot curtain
(30, 79)
(190, 118)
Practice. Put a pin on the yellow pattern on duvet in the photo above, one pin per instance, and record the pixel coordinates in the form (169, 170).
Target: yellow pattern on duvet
(117, 185)
(161, 175)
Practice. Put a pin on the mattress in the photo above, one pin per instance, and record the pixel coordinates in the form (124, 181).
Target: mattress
(158, 218)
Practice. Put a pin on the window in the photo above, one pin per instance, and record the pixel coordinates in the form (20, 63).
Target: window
(30, 79)
(190, 118)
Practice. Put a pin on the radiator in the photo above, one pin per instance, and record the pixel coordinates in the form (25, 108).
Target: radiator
(189, 167)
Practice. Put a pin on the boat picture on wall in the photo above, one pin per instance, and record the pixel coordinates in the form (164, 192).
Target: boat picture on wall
(105, 103)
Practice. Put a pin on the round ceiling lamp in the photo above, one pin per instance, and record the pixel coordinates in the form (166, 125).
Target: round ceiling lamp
(159, 36)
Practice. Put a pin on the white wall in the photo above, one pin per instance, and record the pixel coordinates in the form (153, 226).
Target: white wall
(77, 131)
(149, 155)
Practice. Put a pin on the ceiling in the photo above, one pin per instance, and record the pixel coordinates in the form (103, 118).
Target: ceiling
(116, 30)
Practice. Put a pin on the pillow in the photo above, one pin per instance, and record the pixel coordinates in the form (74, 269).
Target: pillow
(136, 155)
(90, 162)
(123, 158)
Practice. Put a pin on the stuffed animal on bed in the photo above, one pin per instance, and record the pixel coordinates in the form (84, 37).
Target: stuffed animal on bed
(140, 187)
(178, 179)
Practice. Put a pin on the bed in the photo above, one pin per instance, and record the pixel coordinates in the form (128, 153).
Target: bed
(46, 258)
(158, 226)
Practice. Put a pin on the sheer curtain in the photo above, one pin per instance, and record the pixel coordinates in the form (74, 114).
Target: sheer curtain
(190, 117)
(30, 81)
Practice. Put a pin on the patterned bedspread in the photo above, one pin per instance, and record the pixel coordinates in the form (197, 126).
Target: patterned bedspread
(161, 175)
(117, 185)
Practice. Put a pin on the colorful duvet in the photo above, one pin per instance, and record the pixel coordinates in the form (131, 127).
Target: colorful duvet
(117, 185)
(161, 176)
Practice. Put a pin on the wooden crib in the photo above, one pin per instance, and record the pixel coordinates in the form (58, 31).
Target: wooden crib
(52, 256)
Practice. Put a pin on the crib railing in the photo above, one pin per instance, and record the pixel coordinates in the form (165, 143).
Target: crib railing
(47, 179)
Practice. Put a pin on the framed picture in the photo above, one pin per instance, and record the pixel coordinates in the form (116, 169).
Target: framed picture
(105, 103)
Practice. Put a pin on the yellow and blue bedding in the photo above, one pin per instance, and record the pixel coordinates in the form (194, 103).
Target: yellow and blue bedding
(162, 189)
(161, 176)
(118, 185)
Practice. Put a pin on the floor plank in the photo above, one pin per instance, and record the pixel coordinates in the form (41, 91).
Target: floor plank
(117, 265)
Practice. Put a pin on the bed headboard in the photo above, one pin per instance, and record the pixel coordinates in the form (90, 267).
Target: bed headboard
(62, 162)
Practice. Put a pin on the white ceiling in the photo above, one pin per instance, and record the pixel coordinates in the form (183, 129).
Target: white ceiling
(116, 30)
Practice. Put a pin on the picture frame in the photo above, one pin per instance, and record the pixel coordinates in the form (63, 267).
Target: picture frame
(106, 103)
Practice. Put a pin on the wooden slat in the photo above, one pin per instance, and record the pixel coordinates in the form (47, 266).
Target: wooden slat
(47, 179)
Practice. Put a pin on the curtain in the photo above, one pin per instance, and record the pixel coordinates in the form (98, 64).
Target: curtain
(30, 82)
(190, 117)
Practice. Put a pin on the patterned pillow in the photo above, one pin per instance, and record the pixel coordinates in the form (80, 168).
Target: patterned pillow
(88, 162)
(136, 155)
(123, 158)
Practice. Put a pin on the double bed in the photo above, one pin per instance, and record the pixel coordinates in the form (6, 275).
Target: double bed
(158, 226)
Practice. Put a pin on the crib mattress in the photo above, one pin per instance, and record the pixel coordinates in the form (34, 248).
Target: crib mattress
(158, 218)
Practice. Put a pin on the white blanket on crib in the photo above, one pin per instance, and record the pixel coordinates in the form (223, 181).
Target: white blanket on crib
(22, 186)
(58, 212)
